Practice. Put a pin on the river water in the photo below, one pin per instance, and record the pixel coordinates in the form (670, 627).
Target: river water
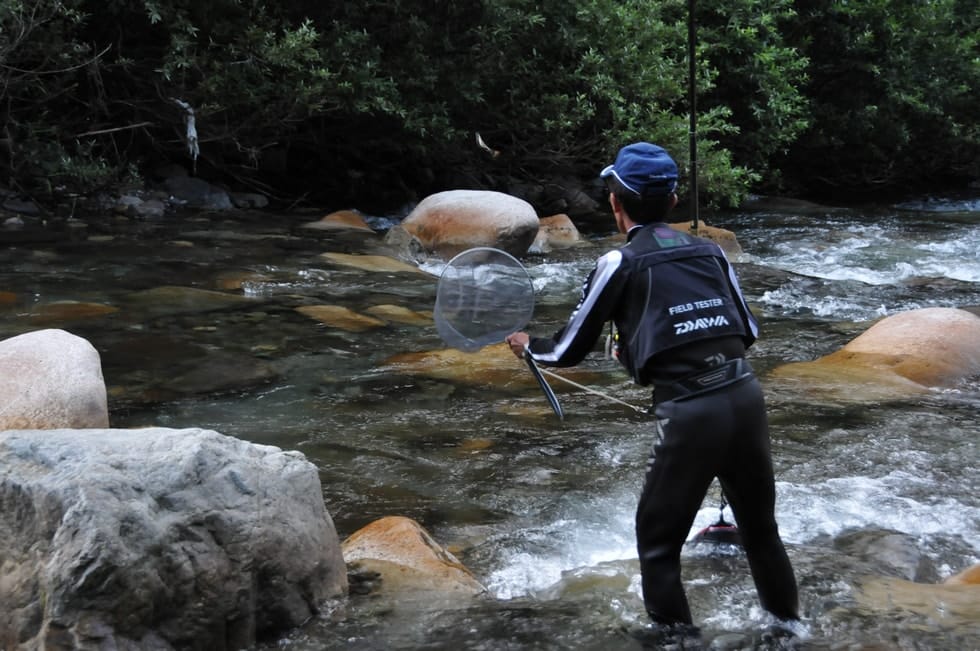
(877, 502)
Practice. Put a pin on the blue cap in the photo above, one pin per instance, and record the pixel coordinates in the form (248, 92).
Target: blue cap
(644, 169)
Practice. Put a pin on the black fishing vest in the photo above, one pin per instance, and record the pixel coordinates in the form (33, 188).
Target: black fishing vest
(678, 291)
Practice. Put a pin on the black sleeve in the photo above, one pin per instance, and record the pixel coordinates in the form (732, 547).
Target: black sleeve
(577, 338)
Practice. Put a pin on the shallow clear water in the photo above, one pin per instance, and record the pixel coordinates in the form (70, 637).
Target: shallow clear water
(541, 510)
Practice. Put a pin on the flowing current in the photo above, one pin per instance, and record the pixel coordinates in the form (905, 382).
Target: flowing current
(877, 501)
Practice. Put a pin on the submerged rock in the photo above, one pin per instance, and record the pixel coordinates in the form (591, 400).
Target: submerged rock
(494, 364)
(947, 604)
(171, 300)
(342, 220)
(342, 318)
(399, 314)
(146, 368)
(374, 263)
(238, 280)
(60, 312)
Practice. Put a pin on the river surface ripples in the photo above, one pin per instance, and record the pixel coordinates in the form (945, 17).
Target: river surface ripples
(877, 502)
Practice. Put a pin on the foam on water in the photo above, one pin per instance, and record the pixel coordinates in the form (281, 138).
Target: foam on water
(942, 205)
(602, 530)
(790, 300)
(433, 266)
(879, 254)
(829, 507)
(958, 259)
(596, 532)
(559, 282)
(865, 271)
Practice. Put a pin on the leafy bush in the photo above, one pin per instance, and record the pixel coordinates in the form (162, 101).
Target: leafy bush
(351, 102)
(758, 76)
(42, 61)
(893, 85)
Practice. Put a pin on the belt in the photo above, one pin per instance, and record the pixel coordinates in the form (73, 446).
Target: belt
(712, 379)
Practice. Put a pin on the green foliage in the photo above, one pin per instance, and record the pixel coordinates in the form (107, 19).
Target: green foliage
(757, 75)
(41, 57)
(894, 90)
(353, 100)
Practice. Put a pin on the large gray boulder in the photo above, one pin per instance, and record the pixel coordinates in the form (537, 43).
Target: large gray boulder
(51, 379)
(158, 539)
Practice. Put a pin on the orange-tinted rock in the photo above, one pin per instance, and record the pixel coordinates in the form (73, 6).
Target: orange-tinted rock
(947, 604)
(408, 559)
(556, 232)
(900, 355)
(342, 220)
(340, 317)
(67, 311)
(232, 280)
(399, 314)
(447, 223)
(491, 365)
(969, 576)
(374, 263)
(723, 238)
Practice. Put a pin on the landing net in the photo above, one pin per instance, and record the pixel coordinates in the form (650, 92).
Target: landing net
(484, 294)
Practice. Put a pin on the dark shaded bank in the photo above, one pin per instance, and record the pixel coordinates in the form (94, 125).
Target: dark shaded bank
(377, 104)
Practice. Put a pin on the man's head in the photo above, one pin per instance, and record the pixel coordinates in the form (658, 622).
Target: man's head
(643, 179)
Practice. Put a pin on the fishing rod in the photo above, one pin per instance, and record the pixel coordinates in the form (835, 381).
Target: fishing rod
(642, 410)
(692, 94)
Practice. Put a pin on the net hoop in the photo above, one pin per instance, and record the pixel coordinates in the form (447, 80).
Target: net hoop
(483, 295)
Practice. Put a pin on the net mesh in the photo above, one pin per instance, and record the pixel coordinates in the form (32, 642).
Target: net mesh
(484, 294)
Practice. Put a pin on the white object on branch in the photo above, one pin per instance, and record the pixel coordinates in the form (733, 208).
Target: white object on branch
(485, 147)
(191, 135)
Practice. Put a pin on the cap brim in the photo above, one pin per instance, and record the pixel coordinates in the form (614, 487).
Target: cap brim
(609, 171)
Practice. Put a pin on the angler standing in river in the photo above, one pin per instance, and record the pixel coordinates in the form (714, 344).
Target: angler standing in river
(683, 327)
